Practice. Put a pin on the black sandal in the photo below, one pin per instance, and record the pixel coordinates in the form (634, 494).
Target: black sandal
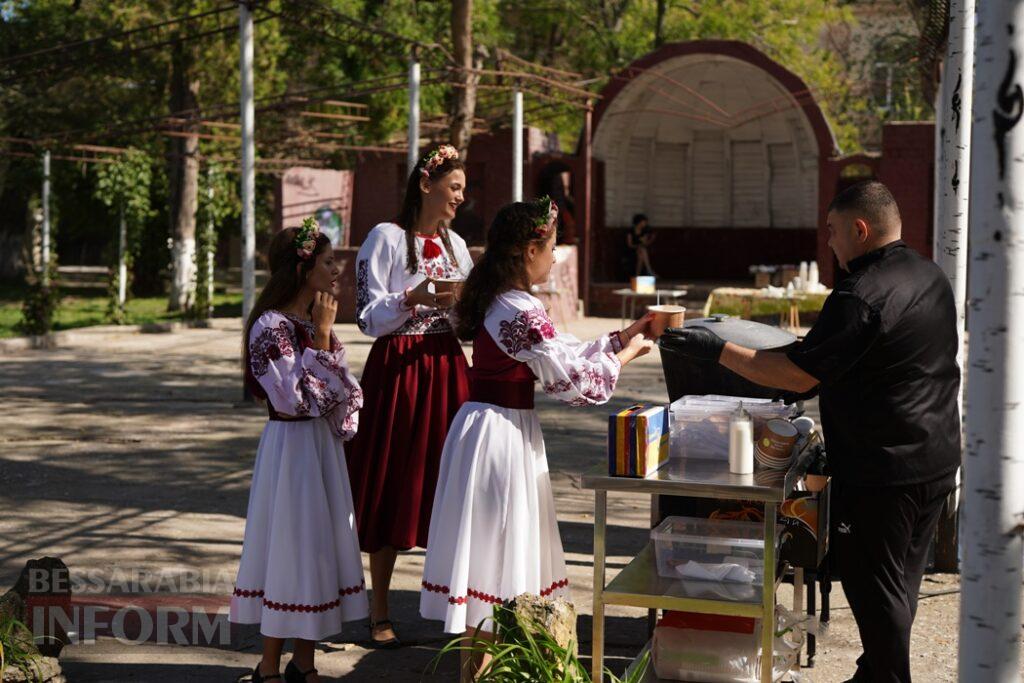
(390, 643)
(257, 677)
(293, 675)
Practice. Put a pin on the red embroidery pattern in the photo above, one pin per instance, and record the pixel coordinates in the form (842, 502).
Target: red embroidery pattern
(484, 597)
(525, 330)
(553, 587)
(319, 390)
(588, 386)
(297, 607)
(269, 346)
(428, 322)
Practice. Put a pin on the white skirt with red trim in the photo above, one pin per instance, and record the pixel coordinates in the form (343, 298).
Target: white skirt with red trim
(301, 574)
(493, 530)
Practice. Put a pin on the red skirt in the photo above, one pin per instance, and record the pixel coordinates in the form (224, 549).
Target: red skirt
(412, 387)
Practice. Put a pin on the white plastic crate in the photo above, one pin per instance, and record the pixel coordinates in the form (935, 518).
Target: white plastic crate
(699, 425)
(713, 550)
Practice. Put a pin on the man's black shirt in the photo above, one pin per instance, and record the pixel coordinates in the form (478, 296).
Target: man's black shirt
(884, 351)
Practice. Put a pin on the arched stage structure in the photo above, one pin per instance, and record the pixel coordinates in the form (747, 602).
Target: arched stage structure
(722, 148)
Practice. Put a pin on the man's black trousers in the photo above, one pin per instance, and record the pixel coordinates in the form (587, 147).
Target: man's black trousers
(881, 536)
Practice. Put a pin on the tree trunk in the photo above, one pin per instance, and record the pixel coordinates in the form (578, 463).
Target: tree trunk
(952, 188)
(993, 479)
(465, 90)
(659, 24)
(184, 180)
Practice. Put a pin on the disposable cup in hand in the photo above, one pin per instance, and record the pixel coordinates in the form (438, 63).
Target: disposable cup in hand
(446, 285)
(665, 316)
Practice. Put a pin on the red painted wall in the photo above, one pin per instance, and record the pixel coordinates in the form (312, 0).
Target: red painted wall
(906, 165)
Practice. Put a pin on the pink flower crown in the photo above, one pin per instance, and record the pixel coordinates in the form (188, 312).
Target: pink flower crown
(438, 157)
(305, 238)
(544, 225)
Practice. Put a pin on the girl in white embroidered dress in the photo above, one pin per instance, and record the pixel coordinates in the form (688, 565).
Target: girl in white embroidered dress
(300, 575)
(493, 530)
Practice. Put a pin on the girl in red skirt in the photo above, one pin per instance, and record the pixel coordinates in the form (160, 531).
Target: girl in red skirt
(415, 378)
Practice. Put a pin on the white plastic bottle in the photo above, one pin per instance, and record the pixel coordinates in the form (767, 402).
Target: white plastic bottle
(741, 442)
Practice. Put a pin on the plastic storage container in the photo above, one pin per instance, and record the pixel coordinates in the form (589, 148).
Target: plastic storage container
(699, 425)
(711, 550)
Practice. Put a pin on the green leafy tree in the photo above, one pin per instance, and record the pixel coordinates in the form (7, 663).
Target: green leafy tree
(218, 201)
(124, 187)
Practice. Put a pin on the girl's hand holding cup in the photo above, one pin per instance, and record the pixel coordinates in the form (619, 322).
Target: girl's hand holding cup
(642, 326)
(636, 347)
(421, 295)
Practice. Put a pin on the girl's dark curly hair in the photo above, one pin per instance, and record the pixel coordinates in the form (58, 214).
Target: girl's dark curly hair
(502, 267)
(412, 204)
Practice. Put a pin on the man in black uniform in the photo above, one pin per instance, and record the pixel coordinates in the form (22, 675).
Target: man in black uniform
(883, 358)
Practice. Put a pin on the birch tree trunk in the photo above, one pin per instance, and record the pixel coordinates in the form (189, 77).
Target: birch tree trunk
(952, 189)
(184, 179)
(993, 488)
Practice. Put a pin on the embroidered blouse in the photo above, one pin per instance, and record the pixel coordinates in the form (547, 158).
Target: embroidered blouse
(383, 277)
(574, 372)
(301, 381)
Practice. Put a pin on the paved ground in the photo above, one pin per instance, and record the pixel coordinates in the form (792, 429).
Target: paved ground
(127, 453)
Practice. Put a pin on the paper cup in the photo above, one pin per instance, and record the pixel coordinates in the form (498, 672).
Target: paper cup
(445, 285)
(665, 316)
(815, 482)
(775, 441)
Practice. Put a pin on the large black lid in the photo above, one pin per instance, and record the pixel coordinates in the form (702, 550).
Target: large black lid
(748, 333)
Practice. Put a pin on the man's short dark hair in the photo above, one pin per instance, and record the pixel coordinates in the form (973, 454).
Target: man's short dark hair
(639, 218)
(870, 200)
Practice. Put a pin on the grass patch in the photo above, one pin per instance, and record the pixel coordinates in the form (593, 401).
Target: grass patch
(84, 308)
(735, 306)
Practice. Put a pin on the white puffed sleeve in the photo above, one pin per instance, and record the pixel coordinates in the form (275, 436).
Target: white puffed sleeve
(379, 312)
(462, 254)
(306, 383)
(571, 371)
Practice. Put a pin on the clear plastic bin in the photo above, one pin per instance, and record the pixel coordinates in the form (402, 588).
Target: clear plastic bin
(699, 425)
(712, 550)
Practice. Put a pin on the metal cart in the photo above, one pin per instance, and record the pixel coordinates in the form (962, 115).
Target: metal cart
(640, 585)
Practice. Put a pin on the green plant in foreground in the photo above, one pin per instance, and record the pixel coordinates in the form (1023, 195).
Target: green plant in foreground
(39, 307)
(17, 649)
(526, 651)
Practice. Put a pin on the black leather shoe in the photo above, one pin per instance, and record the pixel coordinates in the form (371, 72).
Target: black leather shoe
(390, 643)
(257, 677)
(293, 675)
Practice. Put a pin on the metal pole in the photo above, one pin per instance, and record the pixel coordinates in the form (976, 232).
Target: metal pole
(993, 488)
(517, 146)
(248, 116)
(588, 203)
(210, 250)
(952, 200)
(414, 114)
(45, 247)
(122, 267)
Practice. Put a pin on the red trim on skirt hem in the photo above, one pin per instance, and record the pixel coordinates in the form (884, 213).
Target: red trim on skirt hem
(481, 596)
(298, 607)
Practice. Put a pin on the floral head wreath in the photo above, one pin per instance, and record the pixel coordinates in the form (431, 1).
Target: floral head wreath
(438, 157)
(305, 238)
(546, 223)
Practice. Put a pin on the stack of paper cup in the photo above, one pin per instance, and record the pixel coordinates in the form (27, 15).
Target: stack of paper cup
(773, 447)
